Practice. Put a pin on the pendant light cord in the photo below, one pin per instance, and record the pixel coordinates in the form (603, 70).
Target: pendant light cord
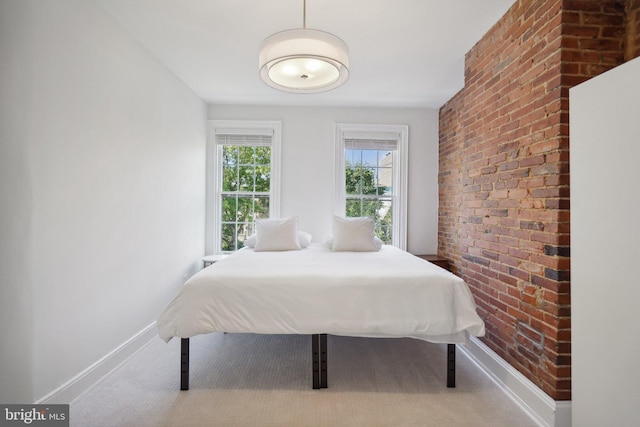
(304, 13)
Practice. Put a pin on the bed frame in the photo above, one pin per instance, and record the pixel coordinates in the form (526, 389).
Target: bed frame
(319, 362)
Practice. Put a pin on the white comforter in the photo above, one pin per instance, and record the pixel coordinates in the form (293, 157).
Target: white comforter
(389, 293)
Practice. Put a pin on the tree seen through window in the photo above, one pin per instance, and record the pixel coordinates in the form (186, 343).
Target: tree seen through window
(369, 188)
(246, 182)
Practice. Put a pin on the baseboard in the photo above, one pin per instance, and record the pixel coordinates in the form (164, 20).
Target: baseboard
(541, 408)
(85, 380)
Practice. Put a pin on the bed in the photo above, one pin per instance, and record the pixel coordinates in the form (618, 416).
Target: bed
(318, 291)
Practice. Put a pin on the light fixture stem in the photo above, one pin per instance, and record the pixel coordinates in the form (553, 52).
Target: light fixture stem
(304, 13)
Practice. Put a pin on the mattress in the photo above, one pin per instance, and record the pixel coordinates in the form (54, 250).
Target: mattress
(389, 293)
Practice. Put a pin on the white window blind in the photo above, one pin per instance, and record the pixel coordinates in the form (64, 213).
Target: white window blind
(261, 137)
(370, 144)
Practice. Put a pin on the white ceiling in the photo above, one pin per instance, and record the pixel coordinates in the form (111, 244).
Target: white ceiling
(403, 53)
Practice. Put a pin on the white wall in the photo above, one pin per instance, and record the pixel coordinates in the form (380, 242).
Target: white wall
(102, 167)
(605, 286)
(308, 137)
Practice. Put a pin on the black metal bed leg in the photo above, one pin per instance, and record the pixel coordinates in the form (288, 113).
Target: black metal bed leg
(451, 365)
(319, 360)
(323, 360)
(184, 364)
(315, 360)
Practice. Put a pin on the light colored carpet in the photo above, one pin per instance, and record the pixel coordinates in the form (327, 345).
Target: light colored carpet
(265, 380)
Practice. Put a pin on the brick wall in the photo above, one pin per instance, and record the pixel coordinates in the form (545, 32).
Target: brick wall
(632, 39)
(504, 174)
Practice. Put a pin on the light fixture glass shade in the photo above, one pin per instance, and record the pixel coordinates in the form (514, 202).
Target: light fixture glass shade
(304, 61)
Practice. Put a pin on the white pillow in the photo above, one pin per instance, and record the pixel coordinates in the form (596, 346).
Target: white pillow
(379, 243)
(250, 241)
(353, 234)
(277, 235)
(303, 237)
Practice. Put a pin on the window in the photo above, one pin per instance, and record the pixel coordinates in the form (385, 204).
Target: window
(243, 172)
(371, 177)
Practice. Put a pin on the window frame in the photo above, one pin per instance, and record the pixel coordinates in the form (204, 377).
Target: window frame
(214, 172)
(386, 132)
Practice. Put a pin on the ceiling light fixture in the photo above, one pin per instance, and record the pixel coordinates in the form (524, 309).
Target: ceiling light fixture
(304, 60)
